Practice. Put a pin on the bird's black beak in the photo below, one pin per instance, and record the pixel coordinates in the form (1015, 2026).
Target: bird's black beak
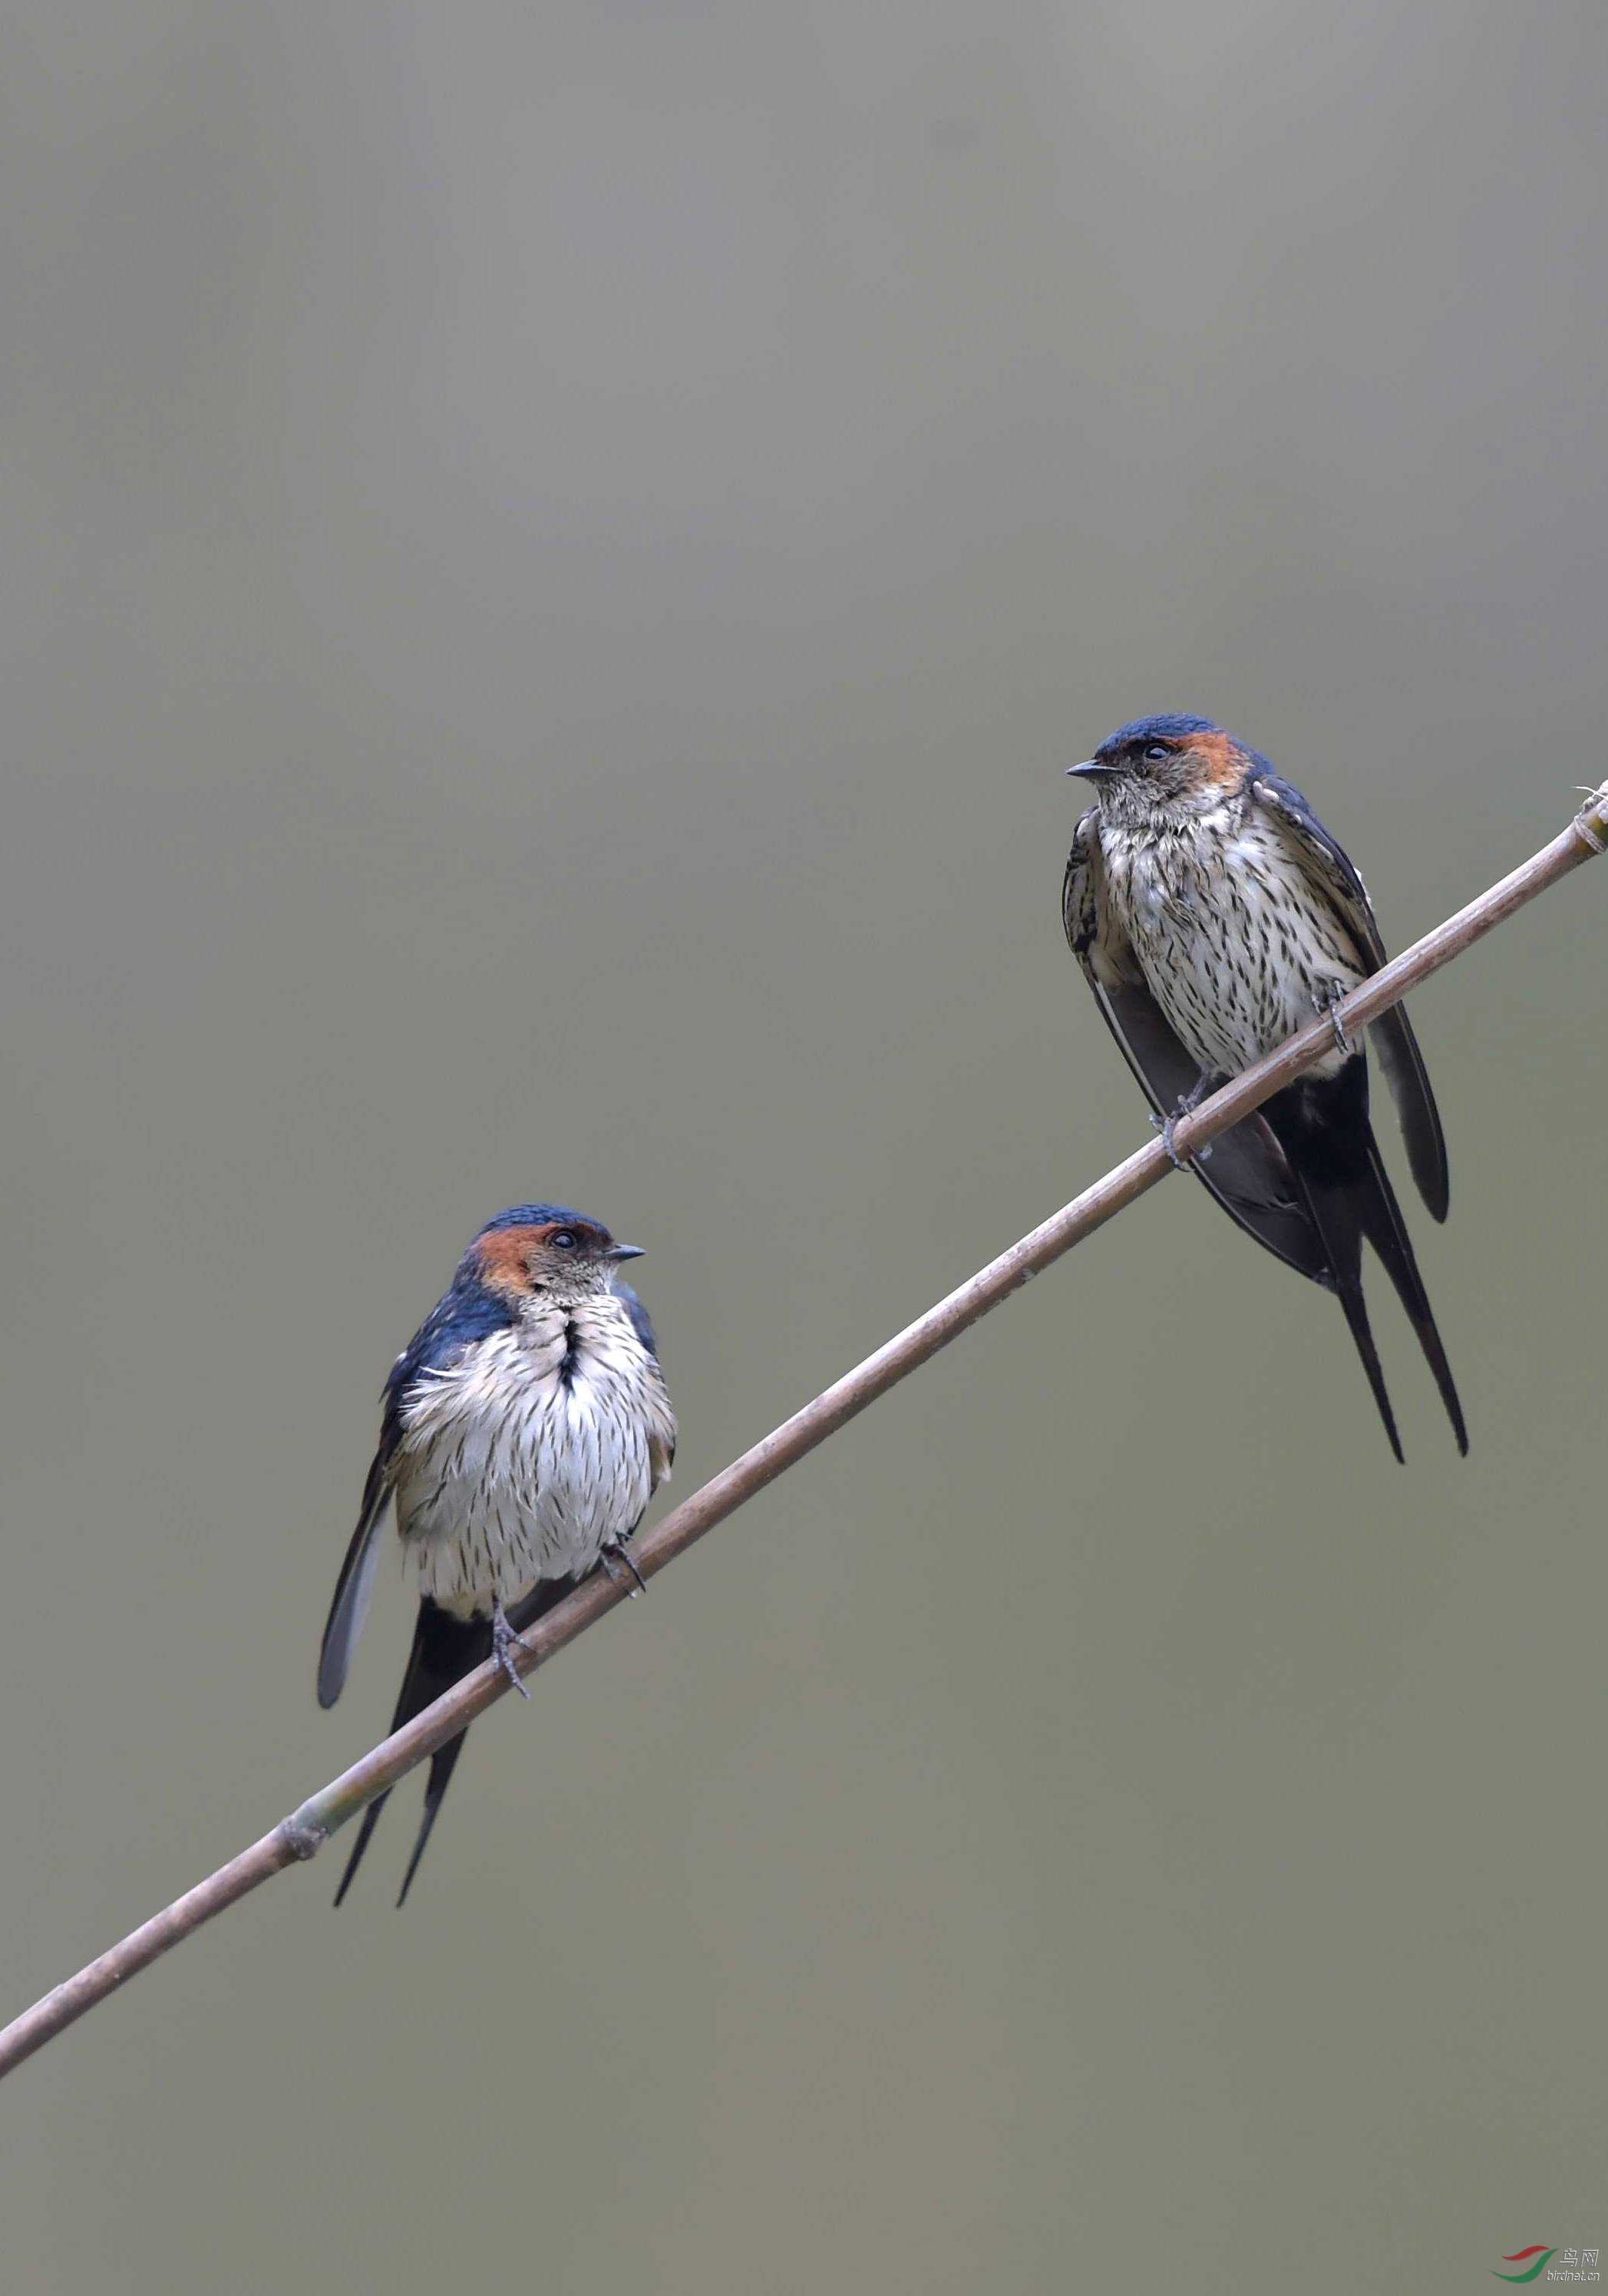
(1089, 769)
(623, 1252)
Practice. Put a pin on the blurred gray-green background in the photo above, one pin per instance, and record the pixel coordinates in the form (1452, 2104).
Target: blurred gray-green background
(553, 560)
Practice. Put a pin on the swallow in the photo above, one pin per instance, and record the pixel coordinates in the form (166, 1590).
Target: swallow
(1214, 915)
(523, 1430)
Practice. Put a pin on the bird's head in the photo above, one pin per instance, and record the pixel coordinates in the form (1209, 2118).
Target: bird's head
(546, 1249)
(1165, 765)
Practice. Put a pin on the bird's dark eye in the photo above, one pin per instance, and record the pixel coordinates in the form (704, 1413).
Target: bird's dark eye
(1157, 753)
(562, 1239)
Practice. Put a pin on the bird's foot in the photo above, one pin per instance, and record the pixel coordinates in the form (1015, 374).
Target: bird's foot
(1166, 1126)
(503, 1639)
(1330, 1006)
(618, 1552)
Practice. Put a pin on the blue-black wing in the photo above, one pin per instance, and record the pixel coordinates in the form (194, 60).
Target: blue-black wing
(465, 1314)
(1328, 867)
(355, 1583)
(642, 1324)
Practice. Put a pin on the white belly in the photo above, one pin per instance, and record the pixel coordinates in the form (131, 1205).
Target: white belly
(511, 1473)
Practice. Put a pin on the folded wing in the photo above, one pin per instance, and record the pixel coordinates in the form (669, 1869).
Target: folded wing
(1329, 868)
(355, 1583)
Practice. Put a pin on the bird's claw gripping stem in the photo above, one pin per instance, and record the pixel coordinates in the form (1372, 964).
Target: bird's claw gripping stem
(611, 1556)
(503, 1639)
(1330, 1006)
(1166, 1126)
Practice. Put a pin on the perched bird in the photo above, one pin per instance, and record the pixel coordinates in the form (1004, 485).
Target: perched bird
(1213, 916)
(525, 1427)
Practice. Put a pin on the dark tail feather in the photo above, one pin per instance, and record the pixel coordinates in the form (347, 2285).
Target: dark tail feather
(1381, 1220)
(1337, 1215)
(529, 1607)
(1324, 1132)
(445, 1649)
(371, 1818)
(442, 1763)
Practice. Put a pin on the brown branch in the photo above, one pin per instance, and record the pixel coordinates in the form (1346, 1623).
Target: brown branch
(304, 1832)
